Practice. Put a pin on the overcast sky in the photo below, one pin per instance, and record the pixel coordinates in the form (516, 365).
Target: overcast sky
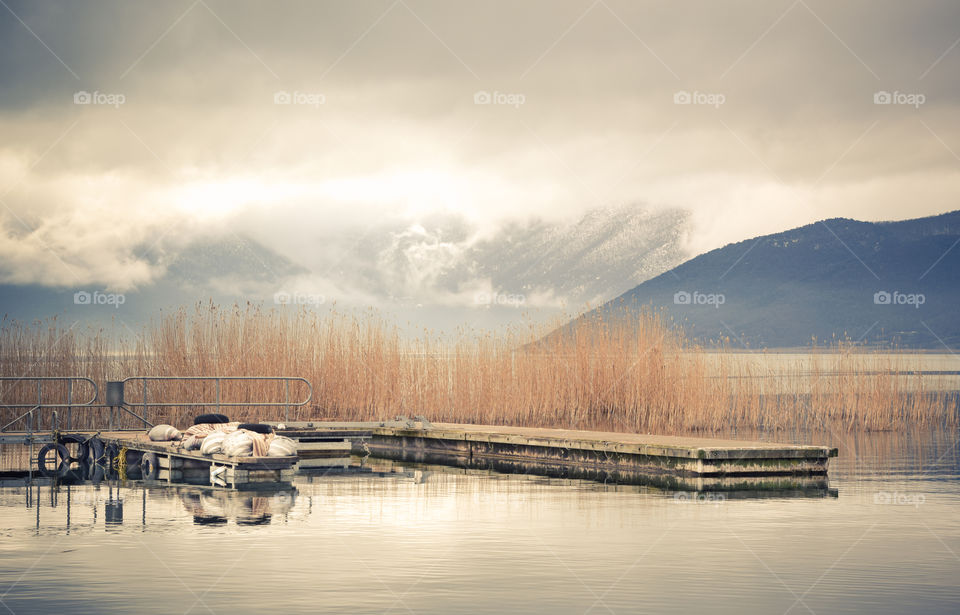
(489, 110)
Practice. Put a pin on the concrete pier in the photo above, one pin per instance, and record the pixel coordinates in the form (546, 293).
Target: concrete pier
(665, 461)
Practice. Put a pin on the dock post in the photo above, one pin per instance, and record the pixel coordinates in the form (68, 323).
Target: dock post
(69, 404)
(32, 460)
(114, 398)
(39, 402)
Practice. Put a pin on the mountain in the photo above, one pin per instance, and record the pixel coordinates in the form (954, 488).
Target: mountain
(869, 282)
(225, 270)
(601, 255)
(439, 271)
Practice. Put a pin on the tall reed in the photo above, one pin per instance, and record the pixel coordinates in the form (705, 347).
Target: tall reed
(635, 374)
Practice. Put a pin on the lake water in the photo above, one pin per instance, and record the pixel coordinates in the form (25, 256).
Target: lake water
(402, 538)
(795, 371)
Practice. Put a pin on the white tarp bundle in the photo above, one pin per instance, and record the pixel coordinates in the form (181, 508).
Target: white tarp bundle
(204, 429)
(226, 439)
(282, 446)
(212, 443)
(238, 444)
(164, 433)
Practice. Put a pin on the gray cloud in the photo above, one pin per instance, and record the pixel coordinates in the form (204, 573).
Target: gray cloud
(199, 144)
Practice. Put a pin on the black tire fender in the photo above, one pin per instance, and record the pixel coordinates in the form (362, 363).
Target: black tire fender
(62, 467)
(256, 427)
(74, 438)
(149, 466)
(97, 450)
(96, 473)
(210, 418)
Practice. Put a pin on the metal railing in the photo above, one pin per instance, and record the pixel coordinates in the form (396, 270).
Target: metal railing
(39, 404)
(115, 397)
(217, 403)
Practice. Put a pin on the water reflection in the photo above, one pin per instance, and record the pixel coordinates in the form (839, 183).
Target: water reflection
(64, 503)
(397, 536)
(217, 506)
(741, 487)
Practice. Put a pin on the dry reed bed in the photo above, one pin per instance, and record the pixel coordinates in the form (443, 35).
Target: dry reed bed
(644, 377)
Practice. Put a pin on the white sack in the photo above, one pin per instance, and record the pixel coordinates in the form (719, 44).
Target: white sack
(191, 443)
(212, 443)
(164, 433)
(282, 446)
(238, 444)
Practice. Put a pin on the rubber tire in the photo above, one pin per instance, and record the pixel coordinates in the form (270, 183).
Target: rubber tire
(133, 465)
(210, 418)
(262, 520)
(63, 468)
(149, 466)
(110, 452)
(212, 520)
(98, 463)
(73, 438)
(96, 473)
(96, 452)
(256, 427)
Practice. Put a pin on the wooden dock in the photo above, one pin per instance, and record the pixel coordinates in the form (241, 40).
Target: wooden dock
(668, 461)
(326, 448)
(176, 465)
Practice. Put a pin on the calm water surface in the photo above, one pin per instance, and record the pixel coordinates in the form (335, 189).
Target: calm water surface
(405, 538)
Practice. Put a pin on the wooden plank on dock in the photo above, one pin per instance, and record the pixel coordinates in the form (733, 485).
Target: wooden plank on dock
(309, 446)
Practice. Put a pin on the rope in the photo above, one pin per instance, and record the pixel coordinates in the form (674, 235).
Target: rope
(120, 463)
